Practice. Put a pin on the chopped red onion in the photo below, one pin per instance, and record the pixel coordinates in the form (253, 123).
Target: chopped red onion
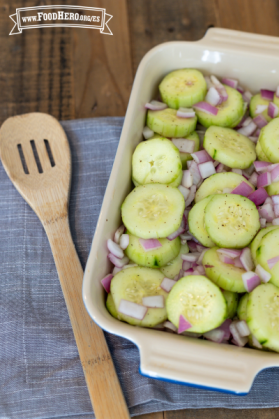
(237, 263)
(243, 121)
(264, 179)
(272, 262)
(275, 199)
(276, 210)
(256, 343)
(247, 96)
(118, 233)
(231, 253)
(250, 170)
(242, 328)
(150, 244)
(226, 328)
(185, 192)
(184, 145)
(116, 270)
(261, 166)
(207, 169)
(237, 339)
(263, 222)
(200, 269)
(230, 82)
(266, 211)
(222, 92)
(201, 156)
(185, 236)
(216, 163)
(248, 129)
(170, 325)
(253, 139)
(260, 121)
(154, 301)
(119, 263)
(213, 96)
(130, 309)
(190, 257)
(201, 248)
(268, 201)
(184, 324)
(185, 113)
(275, 174)
(227, 190)
(254, 179)
(250, 280)
(272, 110)
(220, 168)
(215, 335)
(192, 246)
(155, 105)
(187, 179)
(186, 265)
(194, 169)
(106, 282)
(189, 272)
(262, 273)
(115, 249)
(209, 266)
(260, 109)
(257, 132)
(243, 189)
(124, 241)
(271, 167)
(275, 222)
(240, 89)
(206, 107)
(159, 326)
(208, 82)
(246, 259)
(259, 196)
(191, 196)
(180, 230)
(147, 133)
(238, 171)
(226, 259)
(267, 94)
(167, 284)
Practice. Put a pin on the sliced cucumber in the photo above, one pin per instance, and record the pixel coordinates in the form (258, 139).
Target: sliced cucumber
(111, 307)
(268, 249)
(260, 154)
(167, 124)
(229, 147)
(242, 307)
(173, 267)
(133, 284)
(228, 277)
(153, 211)
(273, 189)
(153, 258)
(156, 161)
(257, 240)
(183, 88)
(229, 113)
(258, 100)
(196, 223)
(199, 300)
(269, 140)
(232, 301)
(263, 315)
(187, 156)
(216, 183)
(231, 220)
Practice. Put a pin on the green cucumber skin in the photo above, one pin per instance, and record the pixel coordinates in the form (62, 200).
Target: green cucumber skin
(257, 240)
(258, 100)
(196, 222)
(172, 268)
(266, 250)
(260, 154)
(268, 140)
(111, 307)
(173, 127)
(232, 302)
(242, 307)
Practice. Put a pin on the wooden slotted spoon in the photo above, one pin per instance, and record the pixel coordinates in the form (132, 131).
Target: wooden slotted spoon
(36, 156)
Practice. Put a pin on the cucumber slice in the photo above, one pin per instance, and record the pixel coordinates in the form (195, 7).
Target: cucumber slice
(263, 315)
(273, 189)
(229, 113)
(260, 154)
(232, 301)
(111, 307)
(231, 220)
(153, 211)
(242, 307)
(216, 183)
(183, 88)
(133, 284)
(153, 258)
(184, 157)
(257, 240)
(196, 223)
(268, 249)
(258, 100)
(199, 300)
(228, 277)
(269, 140)
(173, 267)
(167, 124)
(229, 147)
(156, 161)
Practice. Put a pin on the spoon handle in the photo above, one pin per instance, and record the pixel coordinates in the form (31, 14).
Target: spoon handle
(101, 378)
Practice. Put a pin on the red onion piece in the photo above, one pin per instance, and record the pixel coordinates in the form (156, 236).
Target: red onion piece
(191, 196)
(248, 129)
(257, 132)
(247, 96)
(130, 309)
(256, 343)
(206, 107)
(192, 246)
(150, 244)
(115, 249)
(226, 259)
(276, 210)
(259, 196)
(185, 192)
(187, 179)
(222, 92)
(186, 265)
(231, 253)
(167, 284)
(275, 174)
(180, 230)
(243, 189)
(230, 82)
(106, 282)
(238, 171)
(275, 222)
(189, 272)
(261, 166)
(184, 145)
(266, 211)
(246, 259)
(272, 110)
(260, 109)
(215, 335)
(237, 263)
(154, 301)
(185, 113)
(185, 236)
(201, 156)
(262, 273)
(267, 94)
(118, 233)
(170, 326)
(200, 269)
(155, 105)
(237, 339)
(272, 262)
(220, 168)
(271, 167)
(260, 121)
(184, 324)
(116, 270)
(242, 328)
(201, 248)
(159, 326)
(208, 82)
(250, 280)
(253, 139)
(119, 263)
(264, 179)
(275, 199)
(243, 121)
(240, 89)
(124, 241)
(207, 169)
(268, 201)
(263, 222)
(147, 133)
(190, 257)
(194, 170)
(226, 328)
(213, 96)
(254, 179)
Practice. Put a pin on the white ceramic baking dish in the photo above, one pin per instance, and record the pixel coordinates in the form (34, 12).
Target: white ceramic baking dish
(254, 60)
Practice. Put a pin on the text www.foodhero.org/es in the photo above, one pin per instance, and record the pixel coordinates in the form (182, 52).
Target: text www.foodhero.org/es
(60, 16)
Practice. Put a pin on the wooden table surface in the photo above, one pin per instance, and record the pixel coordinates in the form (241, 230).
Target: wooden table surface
(79, 73)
